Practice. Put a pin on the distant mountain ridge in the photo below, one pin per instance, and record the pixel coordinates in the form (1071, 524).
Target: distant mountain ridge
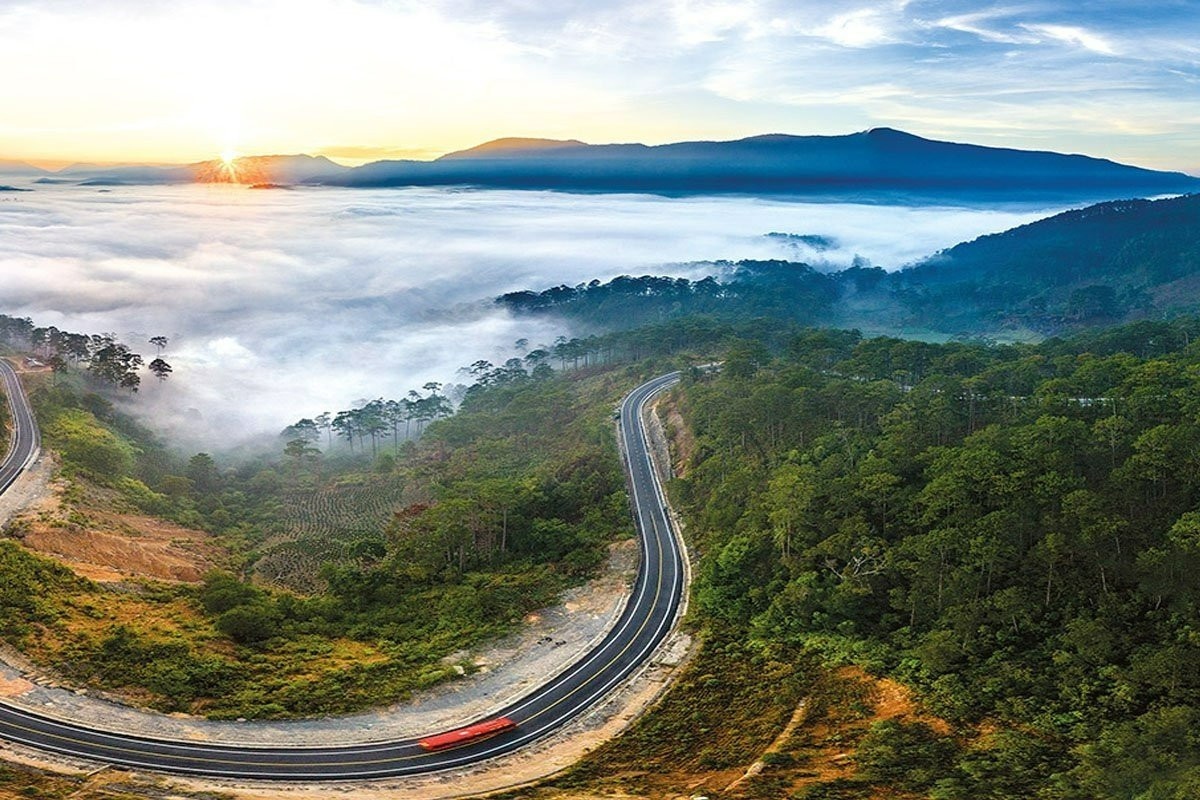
(249, 170)
(881, 160)
(19, 169)
(513, 147)
(878, 159)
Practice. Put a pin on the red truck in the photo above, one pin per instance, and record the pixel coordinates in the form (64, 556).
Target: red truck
(471, 733)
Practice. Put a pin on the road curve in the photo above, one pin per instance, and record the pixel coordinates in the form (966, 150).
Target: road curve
(26, 441)
(646, 620)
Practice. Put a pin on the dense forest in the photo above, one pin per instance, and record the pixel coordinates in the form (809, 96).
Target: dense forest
(1007, 528)
(746, 289)
(1105, 264)
(1011, 529)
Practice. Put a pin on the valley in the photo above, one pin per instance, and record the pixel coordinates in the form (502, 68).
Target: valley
(649, 453)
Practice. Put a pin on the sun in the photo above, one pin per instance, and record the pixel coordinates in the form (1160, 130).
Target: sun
(227, 168)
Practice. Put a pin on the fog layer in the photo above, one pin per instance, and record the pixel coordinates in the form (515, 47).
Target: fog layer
(282, 303)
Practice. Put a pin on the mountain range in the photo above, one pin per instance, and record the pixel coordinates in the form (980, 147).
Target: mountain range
(877, 162)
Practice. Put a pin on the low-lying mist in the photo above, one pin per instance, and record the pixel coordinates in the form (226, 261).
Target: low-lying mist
(286, 303)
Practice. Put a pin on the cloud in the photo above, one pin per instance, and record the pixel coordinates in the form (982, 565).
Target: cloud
(982, 25)
(1073, 34)
(402, 79)
(865, 27)
(1033, 74)
(710, 20)
(287, 303)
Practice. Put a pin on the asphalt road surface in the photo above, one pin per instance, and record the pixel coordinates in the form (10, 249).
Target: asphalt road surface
(25, 441)
(646, 620)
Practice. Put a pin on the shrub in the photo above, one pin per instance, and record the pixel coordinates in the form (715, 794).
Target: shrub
(85, 444)
(222, 591)
(250, 624)
(905, 755)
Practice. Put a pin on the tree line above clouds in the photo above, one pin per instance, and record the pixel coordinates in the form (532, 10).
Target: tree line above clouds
(103, 356)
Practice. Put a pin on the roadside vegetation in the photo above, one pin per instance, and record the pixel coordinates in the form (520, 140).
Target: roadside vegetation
(330, 582)
(5, 422)
(520, 494)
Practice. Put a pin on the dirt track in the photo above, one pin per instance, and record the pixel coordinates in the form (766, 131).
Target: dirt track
(32, 488)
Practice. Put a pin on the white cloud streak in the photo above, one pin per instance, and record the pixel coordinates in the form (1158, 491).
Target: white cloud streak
(1074, 35)
(863, 27)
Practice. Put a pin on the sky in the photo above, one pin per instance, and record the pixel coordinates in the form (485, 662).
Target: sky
(153, 81)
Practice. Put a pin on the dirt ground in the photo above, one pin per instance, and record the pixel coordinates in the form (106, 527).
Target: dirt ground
(116, 547)
(827, 742)
(678, 433)
(28, 491)
(98, 544)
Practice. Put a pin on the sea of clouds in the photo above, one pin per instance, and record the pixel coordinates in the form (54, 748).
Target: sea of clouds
(286, 303)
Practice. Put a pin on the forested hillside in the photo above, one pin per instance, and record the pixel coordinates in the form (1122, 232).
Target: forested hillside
(1097, 266)
(1009, 530)
(1094, 266)
(1012, 530)
(747, 289)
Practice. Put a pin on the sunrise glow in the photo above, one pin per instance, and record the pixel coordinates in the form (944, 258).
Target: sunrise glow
(417, 80)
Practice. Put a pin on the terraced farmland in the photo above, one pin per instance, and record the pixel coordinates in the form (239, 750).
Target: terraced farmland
(341, 522)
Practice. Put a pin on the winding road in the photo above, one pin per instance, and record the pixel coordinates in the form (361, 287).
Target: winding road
(646, 620)
(26, 441)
